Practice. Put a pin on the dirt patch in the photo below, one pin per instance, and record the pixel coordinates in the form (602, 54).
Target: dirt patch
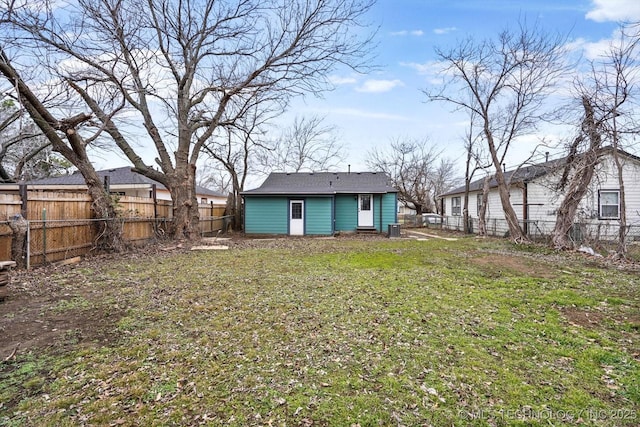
(40, 315)
(585, 319)
(497, 264)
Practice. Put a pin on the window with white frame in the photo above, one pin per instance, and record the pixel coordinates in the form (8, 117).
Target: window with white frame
(609, 204)
(455, 206)
(479, 203)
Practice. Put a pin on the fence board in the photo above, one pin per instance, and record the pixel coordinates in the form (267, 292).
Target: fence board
(10, 205)
(69, 230)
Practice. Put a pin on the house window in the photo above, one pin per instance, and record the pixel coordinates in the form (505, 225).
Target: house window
(609, 204)
(479, 203)
(203, 200)
(455, 206)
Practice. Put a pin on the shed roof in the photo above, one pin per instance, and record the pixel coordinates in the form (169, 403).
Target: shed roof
(311, 183)
(117, 176)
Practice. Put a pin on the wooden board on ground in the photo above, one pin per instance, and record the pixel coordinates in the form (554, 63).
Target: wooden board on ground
(210, 248)
(434, 236)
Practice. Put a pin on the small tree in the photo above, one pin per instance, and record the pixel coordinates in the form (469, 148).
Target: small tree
(307, 144)
(416, 170)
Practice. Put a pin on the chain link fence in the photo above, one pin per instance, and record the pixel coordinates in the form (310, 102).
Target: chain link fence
(588, 233)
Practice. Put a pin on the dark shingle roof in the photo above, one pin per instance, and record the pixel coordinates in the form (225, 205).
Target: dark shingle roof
(281, 183)
(529, 173)
(117, 176)
(523, 174)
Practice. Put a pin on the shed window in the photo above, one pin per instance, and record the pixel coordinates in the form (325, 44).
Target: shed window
(204, 200)
(479, 203)
(609, 201)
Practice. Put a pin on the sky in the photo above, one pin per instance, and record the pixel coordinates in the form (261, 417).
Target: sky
(371, 110)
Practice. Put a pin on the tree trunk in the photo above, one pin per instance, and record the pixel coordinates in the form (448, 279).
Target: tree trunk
(569, 206)
(109, 230)
(580, 180)
(186, 217)
(515, 231)
(482, 215)
(19, 227)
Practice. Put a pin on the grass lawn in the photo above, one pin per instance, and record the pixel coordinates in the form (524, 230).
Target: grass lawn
(342, 332)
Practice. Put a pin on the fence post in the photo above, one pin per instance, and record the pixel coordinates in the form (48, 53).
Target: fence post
(24, 199)
(44, 235)
(28, 245)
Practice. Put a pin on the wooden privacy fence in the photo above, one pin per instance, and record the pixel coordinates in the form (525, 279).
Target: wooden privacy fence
(60, 224)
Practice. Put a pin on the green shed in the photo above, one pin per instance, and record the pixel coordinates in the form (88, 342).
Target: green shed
(320, 203)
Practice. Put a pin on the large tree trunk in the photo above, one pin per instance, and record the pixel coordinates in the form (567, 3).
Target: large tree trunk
(584, 169)
(569, 206)
(19, 227)
(186, 218)
(109, 229)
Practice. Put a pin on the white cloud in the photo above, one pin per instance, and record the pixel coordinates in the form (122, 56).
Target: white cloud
(379, 86)
(614, 10)
(403, 33)
(427, 68)
(445, 30)
(339, 80)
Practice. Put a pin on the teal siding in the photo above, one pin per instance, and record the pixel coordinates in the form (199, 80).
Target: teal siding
(389, 211)
(318, 215)
(266, 215)
(270, 214)
(346, 212)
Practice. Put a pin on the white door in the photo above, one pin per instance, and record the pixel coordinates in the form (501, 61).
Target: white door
(365, 210)
(296, 217)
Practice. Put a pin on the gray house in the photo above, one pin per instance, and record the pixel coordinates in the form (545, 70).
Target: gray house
(123, 181)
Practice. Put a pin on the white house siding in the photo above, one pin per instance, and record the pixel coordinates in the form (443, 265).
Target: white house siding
(543, 202)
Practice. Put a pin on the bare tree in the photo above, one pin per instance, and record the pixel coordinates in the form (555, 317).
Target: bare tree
(415, 169)
(504, 83)
(232, 149)
(443, 179)
(606, 121)
(25, 154)
(184, 69)
(213, 176)
(66, 137)
(307, 144)
(475, 160)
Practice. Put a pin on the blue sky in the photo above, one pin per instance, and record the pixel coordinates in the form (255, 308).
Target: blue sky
(370, 110)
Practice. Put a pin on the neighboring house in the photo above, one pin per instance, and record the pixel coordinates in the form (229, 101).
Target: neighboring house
(535, 197)
(405, 209)
(122, 181)
(323, 203)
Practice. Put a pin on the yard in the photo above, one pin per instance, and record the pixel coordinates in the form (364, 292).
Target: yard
(325, 332)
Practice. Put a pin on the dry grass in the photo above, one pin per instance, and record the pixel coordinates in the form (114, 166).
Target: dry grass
(341, 332)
